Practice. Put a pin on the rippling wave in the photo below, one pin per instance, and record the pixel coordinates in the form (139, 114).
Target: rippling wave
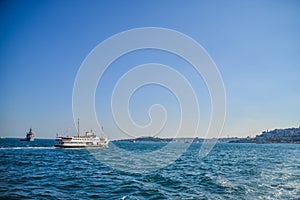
(231, 171)
(28, 147)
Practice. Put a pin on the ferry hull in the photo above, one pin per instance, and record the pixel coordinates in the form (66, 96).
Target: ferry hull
(83, 142)
(79, 146)
(64, 146)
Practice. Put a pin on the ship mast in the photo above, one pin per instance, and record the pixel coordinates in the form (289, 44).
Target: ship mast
(78, 133)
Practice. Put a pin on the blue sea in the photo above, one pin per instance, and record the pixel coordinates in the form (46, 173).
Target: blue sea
(37, 170)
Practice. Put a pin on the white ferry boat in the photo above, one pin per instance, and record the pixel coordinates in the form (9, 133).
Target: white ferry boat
(86, 141)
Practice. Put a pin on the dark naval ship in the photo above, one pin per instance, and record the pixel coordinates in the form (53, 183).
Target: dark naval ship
(29, 136)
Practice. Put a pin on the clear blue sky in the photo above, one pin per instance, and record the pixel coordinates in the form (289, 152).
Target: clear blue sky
(255, 44)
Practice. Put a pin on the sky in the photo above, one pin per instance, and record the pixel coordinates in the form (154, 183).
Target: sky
(254, 44)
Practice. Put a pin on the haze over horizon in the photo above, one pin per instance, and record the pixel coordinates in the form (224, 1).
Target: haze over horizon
(255, 45)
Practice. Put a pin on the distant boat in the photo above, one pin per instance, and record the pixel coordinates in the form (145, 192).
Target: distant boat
(86, 141)
(29, 136)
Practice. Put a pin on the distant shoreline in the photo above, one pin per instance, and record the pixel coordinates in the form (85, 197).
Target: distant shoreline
(288, 135)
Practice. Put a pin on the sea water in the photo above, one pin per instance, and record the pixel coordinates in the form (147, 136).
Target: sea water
(37, 170)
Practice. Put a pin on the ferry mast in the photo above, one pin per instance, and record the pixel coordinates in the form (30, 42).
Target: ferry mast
(78, 133)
